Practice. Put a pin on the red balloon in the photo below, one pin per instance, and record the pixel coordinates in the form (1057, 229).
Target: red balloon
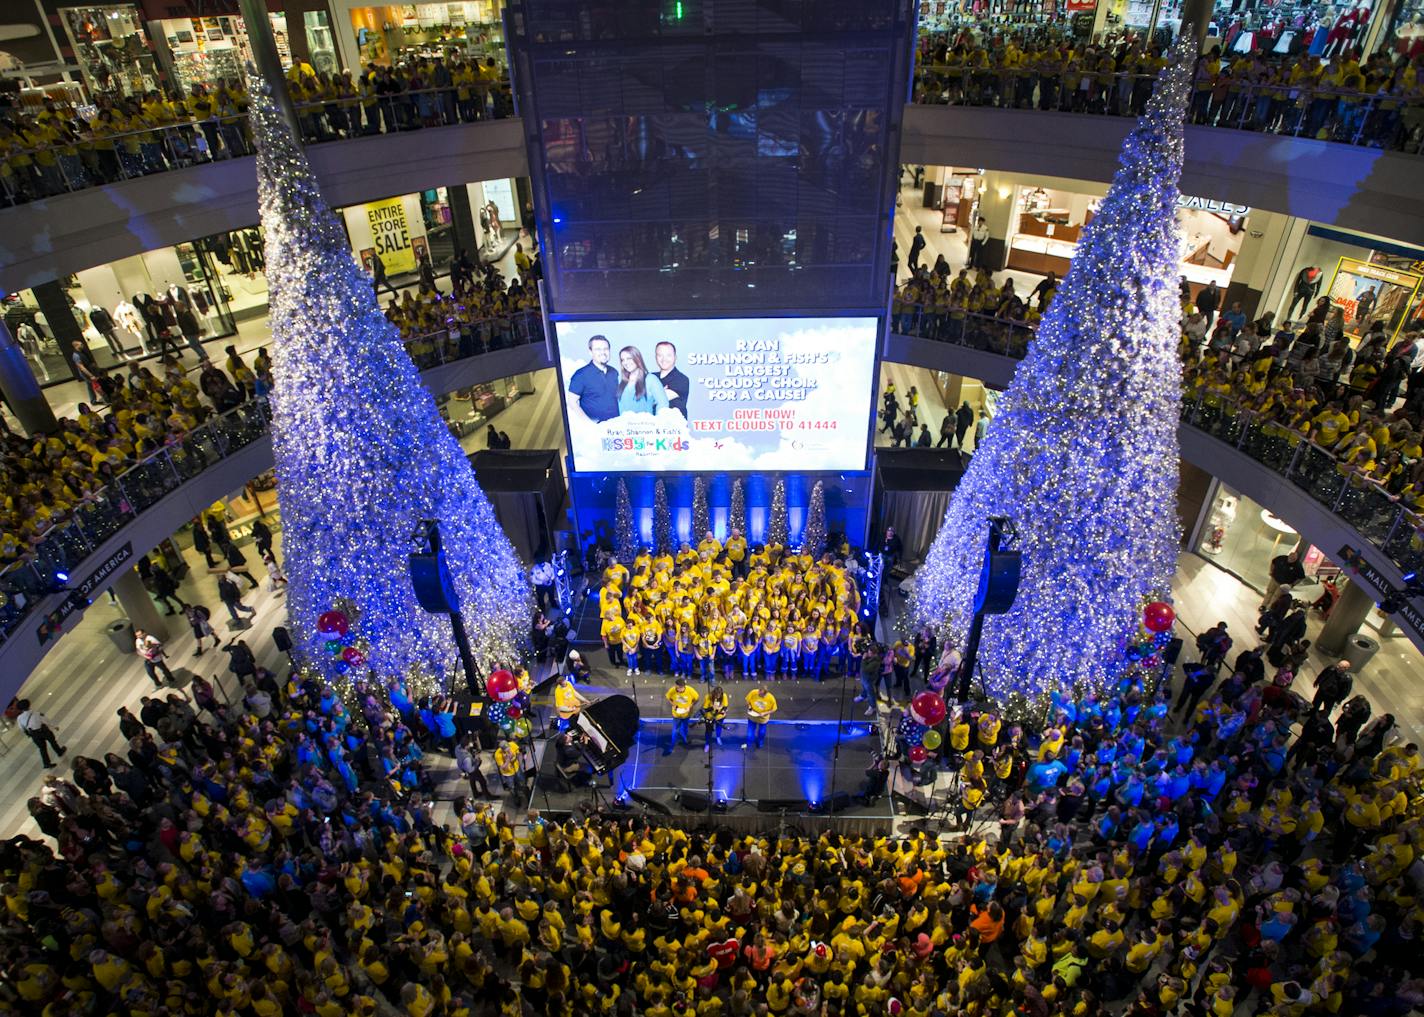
(514, 713)
(928, 708)
(333, 622)
(353, 656)
(502, 686)
(918, 754)
(1158, 616)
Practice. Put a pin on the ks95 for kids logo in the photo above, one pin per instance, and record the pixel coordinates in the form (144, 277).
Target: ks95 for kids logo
(645, 446)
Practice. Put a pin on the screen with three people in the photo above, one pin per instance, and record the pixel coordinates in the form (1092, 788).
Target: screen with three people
(718, 394)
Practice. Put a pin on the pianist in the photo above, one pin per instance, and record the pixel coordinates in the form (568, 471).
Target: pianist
(569, 760)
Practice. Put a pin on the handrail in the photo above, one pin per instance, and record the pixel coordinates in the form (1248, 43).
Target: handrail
(99, 516)
(60, 168)
(1387, 120)
(1360, 501)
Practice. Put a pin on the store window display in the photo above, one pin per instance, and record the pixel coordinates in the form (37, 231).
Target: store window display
(395, 34)
(1242, 537)
(112, 49)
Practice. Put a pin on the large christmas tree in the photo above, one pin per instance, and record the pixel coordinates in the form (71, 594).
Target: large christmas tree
(1082, 455)
(362, 453)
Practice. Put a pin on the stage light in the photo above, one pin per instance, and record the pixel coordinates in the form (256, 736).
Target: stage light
(61, 577)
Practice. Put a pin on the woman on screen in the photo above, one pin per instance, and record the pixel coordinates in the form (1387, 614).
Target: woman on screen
(638, 391)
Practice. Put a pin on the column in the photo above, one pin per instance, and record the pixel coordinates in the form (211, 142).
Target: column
(59, 315)
(1255, 264)
(138, 605)
(996, 205)
(1197, 14)
(1345, 619)
(462, 221)
(21, 389)
(264, 56)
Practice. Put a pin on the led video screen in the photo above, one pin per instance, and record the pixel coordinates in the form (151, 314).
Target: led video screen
(719, 394)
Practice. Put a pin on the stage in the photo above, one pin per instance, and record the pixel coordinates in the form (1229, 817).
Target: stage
(811, 770)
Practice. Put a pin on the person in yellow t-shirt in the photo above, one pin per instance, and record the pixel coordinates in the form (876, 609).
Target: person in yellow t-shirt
(761, 704)
(682, 698)
(568, 701)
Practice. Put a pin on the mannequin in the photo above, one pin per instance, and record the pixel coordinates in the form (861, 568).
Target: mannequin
(103, 323)
(1307, 285)
(1222, 516)
(151, 318)
(127, 317)
(1347, 27)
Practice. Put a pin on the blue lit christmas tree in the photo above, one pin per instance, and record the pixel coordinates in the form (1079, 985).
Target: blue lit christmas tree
(362, 452)
(1082, 454)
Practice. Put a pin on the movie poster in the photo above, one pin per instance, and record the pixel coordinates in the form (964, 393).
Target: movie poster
(718, 394)
(1368, 293)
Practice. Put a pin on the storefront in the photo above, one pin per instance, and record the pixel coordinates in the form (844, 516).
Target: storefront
(111, 48)
(1369, 278)
(1288, 28)
(122, 307)
(395, 33)
(1049, 223)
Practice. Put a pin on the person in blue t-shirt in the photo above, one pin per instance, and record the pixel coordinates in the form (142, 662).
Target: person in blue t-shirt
(1047, 774)
(594, 387)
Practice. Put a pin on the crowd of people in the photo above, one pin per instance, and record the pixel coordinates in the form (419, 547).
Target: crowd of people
(282, 854)
(731, 610)
(135, 414)
(479, 306)
(1363, 403)
(54, 149)
(1376, 100)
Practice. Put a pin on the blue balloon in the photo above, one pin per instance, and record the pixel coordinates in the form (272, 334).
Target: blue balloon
(342, 667)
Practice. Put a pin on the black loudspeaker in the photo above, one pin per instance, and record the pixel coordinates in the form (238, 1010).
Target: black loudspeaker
(650, 803)
(998, 582)
(694, 801)
(1173, 651)
(282, 638)
(778, 804)
(430, 579)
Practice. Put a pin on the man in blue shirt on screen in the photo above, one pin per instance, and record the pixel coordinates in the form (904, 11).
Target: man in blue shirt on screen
(593, 389)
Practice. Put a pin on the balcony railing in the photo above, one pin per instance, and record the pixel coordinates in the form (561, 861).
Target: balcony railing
(1385, 120)
(1352, 496)
(66, 546)
(95, 157)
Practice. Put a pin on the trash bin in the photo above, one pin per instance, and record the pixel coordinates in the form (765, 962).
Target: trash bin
(1359, 648)
(122, 636)
(933, 194)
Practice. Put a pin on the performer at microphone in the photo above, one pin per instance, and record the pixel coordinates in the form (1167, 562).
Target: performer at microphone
(568, 701)
(761, 704)
(683, 698)
(714, 715)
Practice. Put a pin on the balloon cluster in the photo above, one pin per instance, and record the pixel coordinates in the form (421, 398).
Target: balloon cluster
(335, 627)
(1154, 635)
(917, 727)
(508, 704)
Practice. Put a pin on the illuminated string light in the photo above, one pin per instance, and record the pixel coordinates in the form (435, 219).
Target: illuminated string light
(776, 515)
(813, 534)
(1083, 453)
(362, 453)
(626, 537)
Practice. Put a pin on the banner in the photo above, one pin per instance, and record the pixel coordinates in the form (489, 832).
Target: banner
(390, 235)
(79, 592)
(718, 394)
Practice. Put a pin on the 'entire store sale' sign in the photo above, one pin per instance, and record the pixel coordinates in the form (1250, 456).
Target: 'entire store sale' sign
(390, 235)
